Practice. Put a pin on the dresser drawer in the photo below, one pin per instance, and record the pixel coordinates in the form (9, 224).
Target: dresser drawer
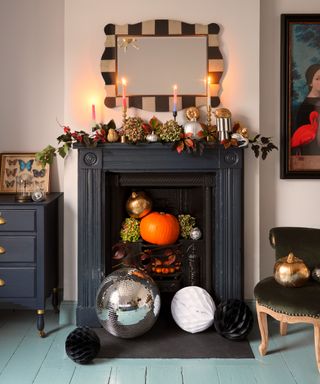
(18, 220)
(17, 249)
(18, 282)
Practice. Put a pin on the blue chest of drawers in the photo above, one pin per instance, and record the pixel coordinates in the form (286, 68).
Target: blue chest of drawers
(30, 249)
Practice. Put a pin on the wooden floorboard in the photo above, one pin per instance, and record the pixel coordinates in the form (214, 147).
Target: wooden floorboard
(25, 358)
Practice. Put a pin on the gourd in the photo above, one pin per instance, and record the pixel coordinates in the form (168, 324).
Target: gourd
(112, 135)
(290, 271)
(160, 228)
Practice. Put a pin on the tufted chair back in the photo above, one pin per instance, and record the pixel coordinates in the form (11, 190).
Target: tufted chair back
(302, 242)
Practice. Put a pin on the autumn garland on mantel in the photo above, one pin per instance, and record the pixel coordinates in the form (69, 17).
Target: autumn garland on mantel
(137, 130)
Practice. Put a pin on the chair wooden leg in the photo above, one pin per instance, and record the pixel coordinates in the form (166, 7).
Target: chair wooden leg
(283, 328)
(317, 344)
(263, 326)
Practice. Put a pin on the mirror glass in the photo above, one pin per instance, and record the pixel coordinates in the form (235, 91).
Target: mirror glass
(152, 65)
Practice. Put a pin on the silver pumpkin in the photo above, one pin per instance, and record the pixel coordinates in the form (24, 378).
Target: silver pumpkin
(128, 303)
(192, 126)
(152, 137)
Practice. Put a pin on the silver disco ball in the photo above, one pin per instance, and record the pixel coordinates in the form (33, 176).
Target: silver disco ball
(127, 303)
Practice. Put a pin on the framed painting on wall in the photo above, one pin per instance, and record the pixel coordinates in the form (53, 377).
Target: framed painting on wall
(22, 166)
(300, 96)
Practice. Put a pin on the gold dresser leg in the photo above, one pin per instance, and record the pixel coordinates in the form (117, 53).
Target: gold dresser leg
(55, 300)
(40, 322)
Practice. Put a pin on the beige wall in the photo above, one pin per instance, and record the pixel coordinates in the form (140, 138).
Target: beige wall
(84, 42)
(50, 53)
(31, 76)
(282, 202)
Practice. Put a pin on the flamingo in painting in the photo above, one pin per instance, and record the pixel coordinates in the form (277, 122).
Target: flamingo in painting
(306, 133)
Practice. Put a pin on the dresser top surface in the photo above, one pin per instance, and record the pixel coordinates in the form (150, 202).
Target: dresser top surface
(7, 199)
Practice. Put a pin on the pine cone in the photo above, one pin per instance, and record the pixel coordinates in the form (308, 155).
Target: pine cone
(169, 131)
(133, 130)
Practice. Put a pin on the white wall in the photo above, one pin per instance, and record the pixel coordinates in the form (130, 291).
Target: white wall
(31, 76)
(282, 202)
(84, 42)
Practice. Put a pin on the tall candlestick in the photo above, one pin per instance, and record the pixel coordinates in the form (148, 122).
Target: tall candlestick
(93, 112)
(124, 88)
(208, 92)
(175, 98)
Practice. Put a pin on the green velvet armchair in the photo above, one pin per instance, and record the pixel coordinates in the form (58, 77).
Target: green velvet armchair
(291, 305)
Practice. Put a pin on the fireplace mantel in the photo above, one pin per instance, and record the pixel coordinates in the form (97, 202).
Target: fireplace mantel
(94, 163)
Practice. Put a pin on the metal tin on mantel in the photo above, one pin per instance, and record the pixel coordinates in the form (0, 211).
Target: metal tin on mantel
(223, 121)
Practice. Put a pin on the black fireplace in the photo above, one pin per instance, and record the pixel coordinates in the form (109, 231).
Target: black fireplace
(209, 186)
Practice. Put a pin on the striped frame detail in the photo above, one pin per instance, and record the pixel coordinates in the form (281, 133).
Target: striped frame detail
(161, 28)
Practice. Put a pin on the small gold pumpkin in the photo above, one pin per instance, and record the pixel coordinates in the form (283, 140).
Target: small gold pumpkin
(290, 271)
(112, 135)
(138, 205)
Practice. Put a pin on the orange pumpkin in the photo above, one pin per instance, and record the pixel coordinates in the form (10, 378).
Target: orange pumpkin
(159, 228)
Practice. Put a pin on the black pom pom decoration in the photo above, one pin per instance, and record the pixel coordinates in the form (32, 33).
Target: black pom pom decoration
(233, 319)
(82, 345)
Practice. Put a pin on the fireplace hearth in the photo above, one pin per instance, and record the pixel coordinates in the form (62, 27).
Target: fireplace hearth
(208, 186)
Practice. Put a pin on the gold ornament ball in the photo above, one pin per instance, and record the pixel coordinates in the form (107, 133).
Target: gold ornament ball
(291, 271)
(138, 205)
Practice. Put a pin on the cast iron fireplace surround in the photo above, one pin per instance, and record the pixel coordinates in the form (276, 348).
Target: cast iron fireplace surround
(219, 172)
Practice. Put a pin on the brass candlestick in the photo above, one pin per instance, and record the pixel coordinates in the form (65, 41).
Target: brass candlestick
(209, 111)
(124, 116)
(124, 120)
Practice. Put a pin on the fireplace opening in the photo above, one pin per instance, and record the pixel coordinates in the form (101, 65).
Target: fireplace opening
(174, 193)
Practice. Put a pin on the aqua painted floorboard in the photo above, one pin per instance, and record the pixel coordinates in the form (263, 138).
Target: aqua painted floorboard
(56, 368)
(26, 358)
(162, 374)
(195, 374)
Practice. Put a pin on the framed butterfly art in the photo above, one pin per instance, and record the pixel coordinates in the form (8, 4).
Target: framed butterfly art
(24, 166)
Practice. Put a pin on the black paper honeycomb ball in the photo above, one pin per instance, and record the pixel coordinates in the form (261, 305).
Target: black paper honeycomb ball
(82, 345)
(233, 319)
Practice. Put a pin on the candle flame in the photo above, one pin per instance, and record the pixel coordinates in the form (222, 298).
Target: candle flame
(175, 87)
(124, 81)
(209, 80)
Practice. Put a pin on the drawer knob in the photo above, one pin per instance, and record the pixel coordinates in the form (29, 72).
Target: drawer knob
(2, 220)
(2, 250)
(2, 283)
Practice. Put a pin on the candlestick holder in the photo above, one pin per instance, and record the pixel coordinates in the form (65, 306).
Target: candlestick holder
(175, 113)
(209, 111)
(124, 116)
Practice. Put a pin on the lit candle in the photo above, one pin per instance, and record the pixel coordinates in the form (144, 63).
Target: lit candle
(93, 112)
(175, 98)
(209, 91)
(124, 87)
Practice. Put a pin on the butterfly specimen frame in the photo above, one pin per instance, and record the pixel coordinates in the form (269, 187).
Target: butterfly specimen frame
(25, 166)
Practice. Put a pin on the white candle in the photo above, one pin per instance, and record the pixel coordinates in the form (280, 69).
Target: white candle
(124, 98)
(175, 98)
(209, 91)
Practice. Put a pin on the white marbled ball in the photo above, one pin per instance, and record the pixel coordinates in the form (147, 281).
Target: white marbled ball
(193, 309)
